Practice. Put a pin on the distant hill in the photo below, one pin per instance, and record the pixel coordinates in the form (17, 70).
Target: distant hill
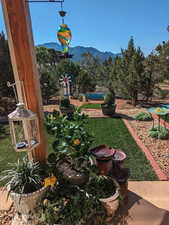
(79, 50)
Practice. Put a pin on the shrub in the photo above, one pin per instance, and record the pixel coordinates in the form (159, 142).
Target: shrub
(71, 205)
(2, 129)
(143, 116)
(109, 98)
(164, 93)
(65, 102)
(159, 132)
(161, 93)
(82, 97)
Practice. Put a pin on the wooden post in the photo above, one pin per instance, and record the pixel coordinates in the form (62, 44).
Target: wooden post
(20, 40)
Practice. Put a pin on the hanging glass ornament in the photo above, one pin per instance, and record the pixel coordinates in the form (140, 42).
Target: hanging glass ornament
(64, 36)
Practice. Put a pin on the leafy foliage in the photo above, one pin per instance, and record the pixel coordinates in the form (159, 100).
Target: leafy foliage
(47, 60)
(6, 72)
(48, 88)
(72, 139)
(143, 116)
(2, 129)
(159, 132)
(65, 102)
(110, 98)
(24, 176)
(60, 205)
(127, 71)
(101, 186)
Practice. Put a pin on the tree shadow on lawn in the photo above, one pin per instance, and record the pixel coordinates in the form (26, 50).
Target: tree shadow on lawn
(122, 116)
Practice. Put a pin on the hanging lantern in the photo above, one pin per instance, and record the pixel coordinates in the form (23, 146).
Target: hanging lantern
(64, 36)
(24, 128)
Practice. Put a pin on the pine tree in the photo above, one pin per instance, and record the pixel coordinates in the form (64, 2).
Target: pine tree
(6, 72)
(127, 71)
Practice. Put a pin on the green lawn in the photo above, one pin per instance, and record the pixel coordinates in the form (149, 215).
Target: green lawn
(8, 154)
(91, 106)
(114, 133)
(107, 131)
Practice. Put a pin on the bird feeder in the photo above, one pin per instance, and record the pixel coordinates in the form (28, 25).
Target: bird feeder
(24, 128)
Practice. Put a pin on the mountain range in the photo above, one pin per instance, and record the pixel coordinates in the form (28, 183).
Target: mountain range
(79, 50)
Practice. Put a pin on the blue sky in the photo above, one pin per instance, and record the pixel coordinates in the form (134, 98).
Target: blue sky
(104, 24)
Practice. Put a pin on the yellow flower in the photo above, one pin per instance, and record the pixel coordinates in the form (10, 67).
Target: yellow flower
(50, 181)
(76, 142)
(158, 110)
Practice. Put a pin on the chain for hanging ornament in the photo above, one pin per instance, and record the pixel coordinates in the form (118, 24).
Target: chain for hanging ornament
(21, 95)
(62, 13)
(41, 1)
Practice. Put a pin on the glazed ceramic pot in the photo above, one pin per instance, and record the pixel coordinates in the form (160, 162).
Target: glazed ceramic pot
(104, 156)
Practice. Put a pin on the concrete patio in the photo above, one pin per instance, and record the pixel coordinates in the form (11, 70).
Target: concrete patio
(148, 204)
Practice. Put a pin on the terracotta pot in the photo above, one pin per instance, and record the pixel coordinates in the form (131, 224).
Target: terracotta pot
(25, 205)
(111, 204)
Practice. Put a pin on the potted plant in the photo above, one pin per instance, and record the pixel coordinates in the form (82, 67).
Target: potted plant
(109, 106)
(71, 147)
(25, 183)
(65, 107)
(86, 205)
(107, 191)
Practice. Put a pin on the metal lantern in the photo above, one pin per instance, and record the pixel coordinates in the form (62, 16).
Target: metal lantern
(24, 128)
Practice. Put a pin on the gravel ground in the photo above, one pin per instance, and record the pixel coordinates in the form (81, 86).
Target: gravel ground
(158, 148)
(7, 216)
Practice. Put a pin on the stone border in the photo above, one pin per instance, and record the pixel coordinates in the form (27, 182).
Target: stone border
(155, 166)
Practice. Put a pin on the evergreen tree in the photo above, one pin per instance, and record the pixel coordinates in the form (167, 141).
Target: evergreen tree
(6, 72)
(127, 71)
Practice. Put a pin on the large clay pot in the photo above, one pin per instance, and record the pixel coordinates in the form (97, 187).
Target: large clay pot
(25, 205)
(111, 204)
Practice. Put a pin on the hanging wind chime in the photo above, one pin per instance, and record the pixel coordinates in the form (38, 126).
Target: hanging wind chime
(64, 35)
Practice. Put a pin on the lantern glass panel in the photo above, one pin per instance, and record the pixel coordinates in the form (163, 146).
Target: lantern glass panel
(33, 132)
(20, 139)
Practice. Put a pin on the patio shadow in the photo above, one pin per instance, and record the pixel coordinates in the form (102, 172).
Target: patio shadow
(137, 211)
